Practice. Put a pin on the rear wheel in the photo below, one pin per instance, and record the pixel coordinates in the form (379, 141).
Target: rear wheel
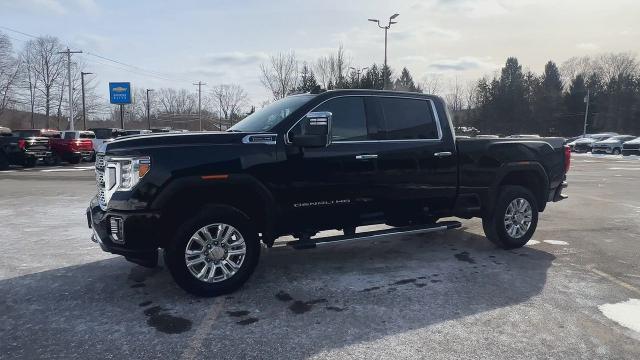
(616, 151)
(30, 162)
(214, 253)
(514, 218)
(75, 160)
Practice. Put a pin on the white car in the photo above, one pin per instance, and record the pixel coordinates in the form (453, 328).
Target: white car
(104, 134)
(612, 145)
(631, 147)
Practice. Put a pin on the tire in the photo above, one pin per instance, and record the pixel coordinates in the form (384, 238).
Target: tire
(176, 259)
(54, 160)
(616, 151)
(494, 225)
(30, 162)
(75, 160)
(4, 162)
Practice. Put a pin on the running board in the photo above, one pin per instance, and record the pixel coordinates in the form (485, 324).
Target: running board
(311, 243)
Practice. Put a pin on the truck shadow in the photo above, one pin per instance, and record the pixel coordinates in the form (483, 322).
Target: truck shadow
(307, 302)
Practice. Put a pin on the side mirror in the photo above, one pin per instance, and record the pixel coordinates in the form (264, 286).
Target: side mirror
(314, 130)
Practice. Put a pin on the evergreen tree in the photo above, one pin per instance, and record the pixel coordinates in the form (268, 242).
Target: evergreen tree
(572, 121)
(385, 76)
(405, 82)
(511, 105)
(307, 79)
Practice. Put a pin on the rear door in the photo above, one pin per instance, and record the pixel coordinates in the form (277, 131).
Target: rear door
(417, 164)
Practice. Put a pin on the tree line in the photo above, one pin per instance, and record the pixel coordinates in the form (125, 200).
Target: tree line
(515, 101)
(554, 102)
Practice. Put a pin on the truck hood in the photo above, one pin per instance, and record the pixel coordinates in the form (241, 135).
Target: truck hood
(178, 139)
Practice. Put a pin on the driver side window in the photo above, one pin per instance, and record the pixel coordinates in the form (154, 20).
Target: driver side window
(348, 120)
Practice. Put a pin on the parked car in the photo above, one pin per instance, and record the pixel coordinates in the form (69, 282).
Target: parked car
(104, 134)
(135, 132)
(612, 145)
(523, 136)
(487, 137)
(307, 163)
(631, 147)
(585, 144)
(23, 147)
(74, 146)
(161, 130)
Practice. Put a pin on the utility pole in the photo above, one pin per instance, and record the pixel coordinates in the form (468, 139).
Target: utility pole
(148, 110)
(199, 84)
(84, 110)
(586, 114)
(386, 29)
(69, 52)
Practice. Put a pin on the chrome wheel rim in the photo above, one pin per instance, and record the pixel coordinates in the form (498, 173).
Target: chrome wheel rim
(215, 252)
(518, 218)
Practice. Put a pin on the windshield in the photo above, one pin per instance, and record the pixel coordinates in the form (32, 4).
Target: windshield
(269, 116)
(26, 133)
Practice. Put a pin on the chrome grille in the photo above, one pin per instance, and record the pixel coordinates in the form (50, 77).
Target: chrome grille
(100, 161)
(100, 164)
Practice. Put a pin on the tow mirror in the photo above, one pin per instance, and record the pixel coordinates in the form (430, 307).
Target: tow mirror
(315, 130)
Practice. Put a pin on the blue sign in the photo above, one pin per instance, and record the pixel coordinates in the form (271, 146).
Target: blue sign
(120, 92)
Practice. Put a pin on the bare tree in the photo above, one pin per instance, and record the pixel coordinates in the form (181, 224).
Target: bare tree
(331, 70)
(174, 101)
(455, 96)
(228, 100)
(48, 67)
(29, 79)
(431, 84)
(612, 66)
(280, 74)
(9, 73)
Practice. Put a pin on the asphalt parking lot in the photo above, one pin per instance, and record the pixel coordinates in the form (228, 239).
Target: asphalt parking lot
(450, 295)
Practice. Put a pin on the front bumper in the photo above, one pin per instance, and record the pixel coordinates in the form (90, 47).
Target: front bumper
(38, 154)
(139, 238)
(579, 148)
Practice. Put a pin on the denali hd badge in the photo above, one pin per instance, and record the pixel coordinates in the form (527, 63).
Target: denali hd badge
(321, 203)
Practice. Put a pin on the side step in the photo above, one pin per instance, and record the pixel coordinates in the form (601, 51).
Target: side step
(311, 243)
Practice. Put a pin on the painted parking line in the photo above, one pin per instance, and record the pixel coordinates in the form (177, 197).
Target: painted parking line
(626, 313)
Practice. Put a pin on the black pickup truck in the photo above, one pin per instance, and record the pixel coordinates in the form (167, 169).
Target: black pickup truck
(23, 147)
(307, 163)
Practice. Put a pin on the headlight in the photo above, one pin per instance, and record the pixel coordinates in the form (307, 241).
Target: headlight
(128, 171)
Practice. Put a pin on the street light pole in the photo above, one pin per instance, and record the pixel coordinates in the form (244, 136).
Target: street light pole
(84, 110)
(148, 110)
(386, 29)
(586, 114)
(358, 72)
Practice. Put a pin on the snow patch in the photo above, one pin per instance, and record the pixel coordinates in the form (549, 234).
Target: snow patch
(625, 313)
(556, 242)
(532, 242)
(628, 168)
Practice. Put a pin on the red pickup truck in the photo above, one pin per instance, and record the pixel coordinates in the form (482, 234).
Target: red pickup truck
(73, 146)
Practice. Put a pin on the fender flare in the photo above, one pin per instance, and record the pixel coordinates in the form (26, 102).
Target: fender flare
(509, 168)
(196, 183)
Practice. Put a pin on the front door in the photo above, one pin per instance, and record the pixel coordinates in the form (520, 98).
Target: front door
(332, 186)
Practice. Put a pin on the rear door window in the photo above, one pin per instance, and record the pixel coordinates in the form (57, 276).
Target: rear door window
(408, 119)
(69, 135)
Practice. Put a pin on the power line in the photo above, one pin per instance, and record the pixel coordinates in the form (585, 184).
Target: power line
(145, 72)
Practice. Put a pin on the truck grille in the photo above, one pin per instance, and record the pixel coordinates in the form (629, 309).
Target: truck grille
(100, 164)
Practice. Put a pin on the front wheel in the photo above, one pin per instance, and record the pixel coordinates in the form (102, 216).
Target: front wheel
(616, 151)
(30, 162)
(514, 218)
(214, 253)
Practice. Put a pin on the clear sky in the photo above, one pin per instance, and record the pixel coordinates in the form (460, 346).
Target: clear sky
(224, 41)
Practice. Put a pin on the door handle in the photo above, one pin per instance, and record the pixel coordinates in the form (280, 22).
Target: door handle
(366, 156)
(442, 154)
